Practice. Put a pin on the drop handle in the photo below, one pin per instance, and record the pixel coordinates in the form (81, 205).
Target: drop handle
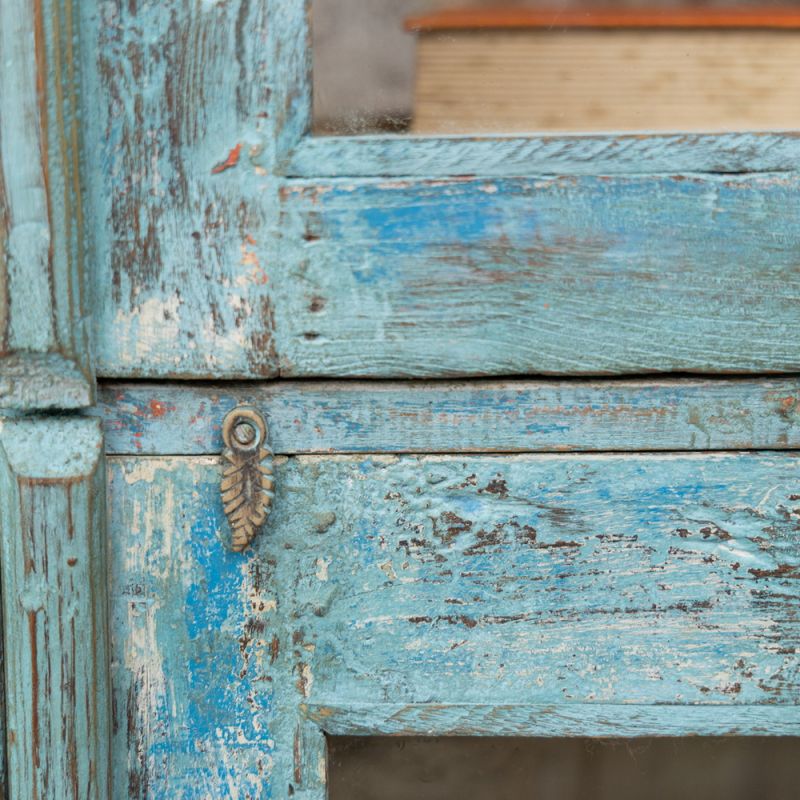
(247, 480)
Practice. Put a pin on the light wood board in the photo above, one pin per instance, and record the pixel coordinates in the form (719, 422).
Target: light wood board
(593, 80)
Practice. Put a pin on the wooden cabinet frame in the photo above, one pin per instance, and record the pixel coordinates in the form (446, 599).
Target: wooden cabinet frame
(158, 184)
(300, 155)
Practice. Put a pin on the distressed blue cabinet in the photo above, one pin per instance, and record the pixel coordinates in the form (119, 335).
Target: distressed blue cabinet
(578, 517)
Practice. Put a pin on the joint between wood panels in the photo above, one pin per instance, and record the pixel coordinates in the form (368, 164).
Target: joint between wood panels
(533, 173)
(393, 456)
(618, 719)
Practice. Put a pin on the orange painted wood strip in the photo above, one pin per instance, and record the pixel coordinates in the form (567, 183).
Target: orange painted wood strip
(477, 18)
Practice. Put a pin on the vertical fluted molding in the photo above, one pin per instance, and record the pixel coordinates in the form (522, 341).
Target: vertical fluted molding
(55, 617)
(44, 348)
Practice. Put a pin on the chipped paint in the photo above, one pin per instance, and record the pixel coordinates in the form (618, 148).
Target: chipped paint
(450, 277)
(498, 416)
(45, 360)
(322, 569)
(56, 632)
(230, 162)
(634, 593)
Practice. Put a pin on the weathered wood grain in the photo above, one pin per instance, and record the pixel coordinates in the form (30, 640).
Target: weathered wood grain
(557, 720)
(42, 381)
(565, 276)
(511, 156)
(194, 639)
(429, 417)
(546, 579)
(289, 63)
(198, 109)
(3, 743)
(558, 595)
(578, 276)
(55, 624)
(43, 232)
(188, 102)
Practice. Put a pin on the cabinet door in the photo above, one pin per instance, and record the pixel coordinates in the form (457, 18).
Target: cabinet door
(414, 593)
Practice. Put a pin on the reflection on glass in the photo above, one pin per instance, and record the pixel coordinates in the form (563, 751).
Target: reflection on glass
(452, 67)
(563, 769)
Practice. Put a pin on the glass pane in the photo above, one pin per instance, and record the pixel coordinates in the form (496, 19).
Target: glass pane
(383, 768)
(449, 66)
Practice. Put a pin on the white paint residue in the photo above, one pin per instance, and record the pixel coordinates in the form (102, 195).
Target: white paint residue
(388, 570)
(159, 519)
(306, 679)
(228, 757)
(765, 499)
(151, 323)
(143, 660)
(141, 469)
(322, 568)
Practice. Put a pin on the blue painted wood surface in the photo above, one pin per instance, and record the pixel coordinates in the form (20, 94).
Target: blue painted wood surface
(447, 417)
(194, 640)
(571, 276)
(44, 236)
(472, 594)
(414, 278)
(564, 154)
(558, 595)
(55, 623)
(609, 579)
(596, 720)
(212, 265)
(189, 107)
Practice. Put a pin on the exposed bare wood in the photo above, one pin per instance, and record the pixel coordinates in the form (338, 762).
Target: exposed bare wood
(631, 79)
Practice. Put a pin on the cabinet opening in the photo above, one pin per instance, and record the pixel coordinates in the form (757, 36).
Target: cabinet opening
(495, 768)
(432, 67)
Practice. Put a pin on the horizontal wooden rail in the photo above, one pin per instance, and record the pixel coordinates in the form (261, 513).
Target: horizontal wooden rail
(567, 719)
(442, 416)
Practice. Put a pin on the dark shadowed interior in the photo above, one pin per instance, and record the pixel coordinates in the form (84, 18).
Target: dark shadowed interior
(698, 768)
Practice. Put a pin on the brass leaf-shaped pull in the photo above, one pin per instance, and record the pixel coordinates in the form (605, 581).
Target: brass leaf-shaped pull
(247, 481)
